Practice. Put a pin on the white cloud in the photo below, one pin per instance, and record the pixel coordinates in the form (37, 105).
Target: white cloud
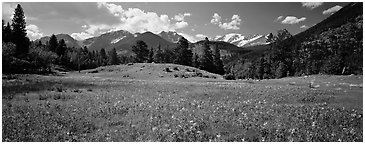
(133, 20)
(116, 10)
(181, 17)
(81, 36)
(332, 10)
(311, 5)
(8, 10)
(180, 25)
(216, 19)
(92, 29)
(201, 36)
(234, 24)
(279, 18)
(33, 32)
(303, 27)
(136, 20)
(293, 20)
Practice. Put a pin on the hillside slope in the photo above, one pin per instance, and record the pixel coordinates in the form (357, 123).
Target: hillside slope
(152, 71)
(349, 13)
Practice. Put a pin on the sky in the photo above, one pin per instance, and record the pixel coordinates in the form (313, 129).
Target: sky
(193, 20)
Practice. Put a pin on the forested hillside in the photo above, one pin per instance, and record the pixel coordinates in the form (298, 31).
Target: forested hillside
(333, 46)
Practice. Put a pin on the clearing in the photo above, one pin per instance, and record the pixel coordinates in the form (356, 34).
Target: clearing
(167, 102)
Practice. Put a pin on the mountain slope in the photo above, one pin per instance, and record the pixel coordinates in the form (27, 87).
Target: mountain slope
(346, 14)
(70, 42)
(170, 36)
(123, 40)
(241, 40)
(107, 40)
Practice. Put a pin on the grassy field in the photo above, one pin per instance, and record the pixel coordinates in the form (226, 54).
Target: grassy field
(152, 102)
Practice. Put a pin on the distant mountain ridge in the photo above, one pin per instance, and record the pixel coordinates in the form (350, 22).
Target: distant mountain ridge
(70, 42)
(242, 40)
(170, 36)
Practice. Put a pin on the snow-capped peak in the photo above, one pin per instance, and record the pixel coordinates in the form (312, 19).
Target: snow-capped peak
(241, 40)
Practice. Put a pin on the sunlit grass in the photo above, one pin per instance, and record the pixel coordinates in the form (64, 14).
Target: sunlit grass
(119, 109)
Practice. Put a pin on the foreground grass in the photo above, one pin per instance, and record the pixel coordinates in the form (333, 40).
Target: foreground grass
(82, 107)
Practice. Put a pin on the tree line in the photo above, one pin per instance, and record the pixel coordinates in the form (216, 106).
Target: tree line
(20, 55)
(182, 54)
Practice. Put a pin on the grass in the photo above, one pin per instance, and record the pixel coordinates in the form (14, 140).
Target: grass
(88, 107)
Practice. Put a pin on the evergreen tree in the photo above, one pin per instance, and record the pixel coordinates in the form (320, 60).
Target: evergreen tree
(7, 36)
(141, 51)
(40, 44)
(158, 57)
(270, 38)
(281, 70)
(19, 33)
(196, 60)
(150, 56)
(113, 57)
(259, 68)
(103, 58)
(183, 53)
(53, 43)
(168, 56)
(219, 67)
(206, 60)
(61, 48)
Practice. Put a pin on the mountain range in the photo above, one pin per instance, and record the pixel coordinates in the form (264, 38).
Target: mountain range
(242, 40)
(123, 40)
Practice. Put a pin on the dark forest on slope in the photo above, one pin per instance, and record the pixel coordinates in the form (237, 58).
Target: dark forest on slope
(333, 46)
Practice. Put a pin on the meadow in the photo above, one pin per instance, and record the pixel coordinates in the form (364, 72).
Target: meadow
(165, 102)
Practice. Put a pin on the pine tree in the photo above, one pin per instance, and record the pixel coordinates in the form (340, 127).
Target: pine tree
(40, 44)
(158, 57)
(19, 33)
(270, 38)
(168, 56)
(53, 43)
(206, 60)
(219, 67)
(182, 52)
(103, 57)
(113, 57)
(281, 70)
(61, 48)
(141, 51)
(195, 60)
(7, 33)
(150, 55)
(259, 68)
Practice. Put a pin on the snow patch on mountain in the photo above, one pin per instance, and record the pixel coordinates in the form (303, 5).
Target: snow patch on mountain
(241, 40)
(117, 40)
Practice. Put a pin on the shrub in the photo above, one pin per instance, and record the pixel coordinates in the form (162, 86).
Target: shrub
(229, 77)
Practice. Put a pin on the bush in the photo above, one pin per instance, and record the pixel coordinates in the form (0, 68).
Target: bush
(40, 59)
(229, 77)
